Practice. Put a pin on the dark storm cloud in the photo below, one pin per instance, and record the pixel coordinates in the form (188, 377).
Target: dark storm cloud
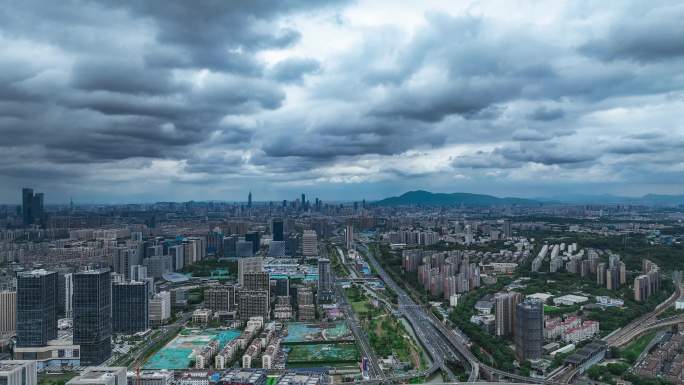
(216, 34)
(120, 76)
(648, 36)
(529, 135)
(545, 114)
(548, 154)
(472, 73)
(353, 136)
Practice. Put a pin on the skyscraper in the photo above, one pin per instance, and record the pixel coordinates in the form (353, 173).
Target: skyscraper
(93, 315)
(31, 207)
(277, 229)
(529, 330)
(303, 201)
(36, 307)
(325, 284)
(130, 307)
(37, 207)
(26, 205)
(249, 200)
(255, 238)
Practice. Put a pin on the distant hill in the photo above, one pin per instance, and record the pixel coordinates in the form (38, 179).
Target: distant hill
(427, 198)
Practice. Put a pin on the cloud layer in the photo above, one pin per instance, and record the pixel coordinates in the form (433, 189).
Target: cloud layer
(156, 100)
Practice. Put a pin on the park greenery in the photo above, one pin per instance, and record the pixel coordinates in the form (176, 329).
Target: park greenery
(206, 267)
(631, 352)
(386, 334)
(491, 349)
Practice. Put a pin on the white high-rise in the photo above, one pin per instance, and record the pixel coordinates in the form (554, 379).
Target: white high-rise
(309, 243)
(8, 312)
(69, 295)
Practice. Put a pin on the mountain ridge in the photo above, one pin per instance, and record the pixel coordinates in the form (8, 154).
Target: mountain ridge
(422, 197)
(427, 198)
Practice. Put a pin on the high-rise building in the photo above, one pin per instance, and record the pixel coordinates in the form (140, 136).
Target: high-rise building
(281, 287)
(249, 200)
(36, 307)
(177, 257)
(623, 273)
(641, 287)
(253, 303)
(69, 295)
(158, 265)
(306, 310)
(244, 249)
(278, 229)
(93, 315)
(255, 280)
(32, 207)
(230, 246)
(325, 284)
(160, 308)
(529, 330)
(507, 228)
(613, 278)
(130, 307)
(349, 236)
(505, 305)
(309, 243)
(601, 274)
(18, 372)
(8, 312)
(249, 265)
(138, 273)
(255, 238)
(277, 249)
(219, 298)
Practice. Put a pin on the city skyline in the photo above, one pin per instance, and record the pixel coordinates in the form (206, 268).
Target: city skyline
(342, 99)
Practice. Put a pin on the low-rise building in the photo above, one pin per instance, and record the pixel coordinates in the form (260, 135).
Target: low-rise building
(56, 354)
(150, 378)
(243, 377)
(101, 375)
(570, 299)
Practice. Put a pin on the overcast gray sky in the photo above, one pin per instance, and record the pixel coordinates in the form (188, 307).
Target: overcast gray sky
(129, 101)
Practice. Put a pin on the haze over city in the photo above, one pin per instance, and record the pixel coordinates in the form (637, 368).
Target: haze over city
(112, 102)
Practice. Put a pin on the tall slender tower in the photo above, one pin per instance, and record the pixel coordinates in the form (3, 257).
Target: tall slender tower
(93, 315)
(249, 200)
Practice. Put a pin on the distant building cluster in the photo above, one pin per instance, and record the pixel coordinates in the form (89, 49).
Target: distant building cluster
(666, 361)
(443, 274)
